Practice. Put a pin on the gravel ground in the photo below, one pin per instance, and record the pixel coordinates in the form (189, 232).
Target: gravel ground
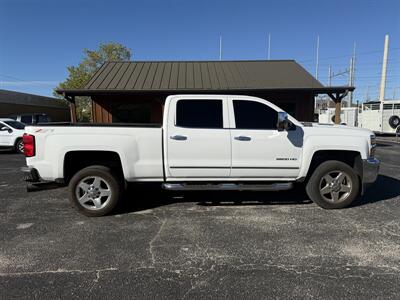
(201, 245)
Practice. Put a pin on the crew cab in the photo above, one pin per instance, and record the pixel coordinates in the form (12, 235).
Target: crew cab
(11, 133)
(206, 142)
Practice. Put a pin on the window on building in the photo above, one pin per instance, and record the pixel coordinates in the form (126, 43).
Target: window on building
(42, 119)
(131, 113)
(254, 115)
(199, 113)
(26, 119)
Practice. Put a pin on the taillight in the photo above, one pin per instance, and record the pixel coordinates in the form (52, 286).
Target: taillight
(29, 145)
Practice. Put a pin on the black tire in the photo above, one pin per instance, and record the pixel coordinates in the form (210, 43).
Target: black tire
(109, 182)
(394, 121)
(340, 192)
(19, 146)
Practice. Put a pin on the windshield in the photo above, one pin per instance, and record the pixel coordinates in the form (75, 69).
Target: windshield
(15, 124)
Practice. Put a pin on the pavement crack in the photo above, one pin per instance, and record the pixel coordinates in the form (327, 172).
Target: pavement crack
(60, 271)
(154, 239)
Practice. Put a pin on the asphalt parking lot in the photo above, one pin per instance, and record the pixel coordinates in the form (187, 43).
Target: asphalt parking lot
(200, 245)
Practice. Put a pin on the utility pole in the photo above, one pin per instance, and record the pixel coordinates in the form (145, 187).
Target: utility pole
(316, 71)
(220, 47)
(384, 69)
(269, 46)
(330, 76)
(367, 94)
(351, 74)
(350, 98)
(383, 79)
(394, 92)
(317, 62)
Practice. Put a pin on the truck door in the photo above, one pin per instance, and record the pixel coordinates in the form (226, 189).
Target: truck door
(197, 140)
(259, 150)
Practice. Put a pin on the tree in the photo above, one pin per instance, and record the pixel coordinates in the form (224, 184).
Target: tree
(79, 75)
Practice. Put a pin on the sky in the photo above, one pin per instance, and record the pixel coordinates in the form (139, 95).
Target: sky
(40, 38)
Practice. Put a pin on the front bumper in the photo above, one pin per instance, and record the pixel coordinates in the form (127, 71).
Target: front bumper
(370, 168)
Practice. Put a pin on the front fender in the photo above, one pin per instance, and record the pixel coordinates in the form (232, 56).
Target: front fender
(331, 143)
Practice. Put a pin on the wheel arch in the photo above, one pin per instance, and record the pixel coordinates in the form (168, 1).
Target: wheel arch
(78, 159)
(349, 157)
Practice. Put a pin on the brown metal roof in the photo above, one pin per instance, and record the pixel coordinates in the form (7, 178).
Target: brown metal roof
(200, 76)
(203, 75)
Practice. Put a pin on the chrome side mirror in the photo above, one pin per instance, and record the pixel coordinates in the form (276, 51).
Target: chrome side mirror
(283, 121)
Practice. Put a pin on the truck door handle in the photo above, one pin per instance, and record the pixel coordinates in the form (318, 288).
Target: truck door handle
(178, 137)
(242, 138)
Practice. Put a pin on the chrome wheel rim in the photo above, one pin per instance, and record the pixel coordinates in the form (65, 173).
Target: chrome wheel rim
(93, 192)
(21, 147)
(335, 186)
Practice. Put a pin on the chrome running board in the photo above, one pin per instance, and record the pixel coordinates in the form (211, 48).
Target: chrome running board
(227, 187)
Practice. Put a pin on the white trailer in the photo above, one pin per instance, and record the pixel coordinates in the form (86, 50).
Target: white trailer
(348, 116)
(381, 117)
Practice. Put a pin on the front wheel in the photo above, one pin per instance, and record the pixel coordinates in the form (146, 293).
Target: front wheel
(333, 184)
(95, 191)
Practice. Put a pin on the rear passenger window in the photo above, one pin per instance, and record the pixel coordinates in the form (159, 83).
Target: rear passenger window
(254, 115)
(199, 113)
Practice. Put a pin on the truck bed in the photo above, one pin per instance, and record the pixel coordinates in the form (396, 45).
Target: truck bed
(139, 147)
(82, 124)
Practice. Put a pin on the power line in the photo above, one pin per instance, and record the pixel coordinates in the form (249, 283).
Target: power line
(348, 56)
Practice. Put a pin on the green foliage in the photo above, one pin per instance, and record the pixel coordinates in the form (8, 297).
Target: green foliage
(79, 75)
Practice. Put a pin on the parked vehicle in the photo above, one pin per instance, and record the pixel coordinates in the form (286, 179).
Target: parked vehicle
(206, 142)
(11, 133)
(381, 117)
(30, 119)
(348, 116)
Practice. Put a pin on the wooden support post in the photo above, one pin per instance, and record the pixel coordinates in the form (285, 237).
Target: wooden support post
(72, 108)
(337, 98)
(338, 106)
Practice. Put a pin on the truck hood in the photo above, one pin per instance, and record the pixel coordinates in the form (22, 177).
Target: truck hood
(335, 130)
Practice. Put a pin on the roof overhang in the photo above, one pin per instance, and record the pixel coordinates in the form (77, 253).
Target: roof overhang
(88, 92)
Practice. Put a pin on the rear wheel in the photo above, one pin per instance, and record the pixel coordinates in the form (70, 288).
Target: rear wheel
(95, 191)
(19, 146)
(333, 184)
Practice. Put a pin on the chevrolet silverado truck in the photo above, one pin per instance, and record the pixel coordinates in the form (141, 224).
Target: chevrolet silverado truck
(205, 142)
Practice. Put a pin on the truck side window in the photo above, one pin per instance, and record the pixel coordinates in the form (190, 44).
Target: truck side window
(199, 113)
(254, 115)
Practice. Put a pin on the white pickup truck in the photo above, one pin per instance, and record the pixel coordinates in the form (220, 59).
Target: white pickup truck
(206, 142)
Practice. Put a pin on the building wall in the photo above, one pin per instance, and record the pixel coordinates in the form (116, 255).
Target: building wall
(55, 114)
(104, 106)
(299, 104)
(16, 103)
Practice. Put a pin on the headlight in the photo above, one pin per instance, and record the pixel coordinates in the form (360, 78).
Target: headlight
(373, 145)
